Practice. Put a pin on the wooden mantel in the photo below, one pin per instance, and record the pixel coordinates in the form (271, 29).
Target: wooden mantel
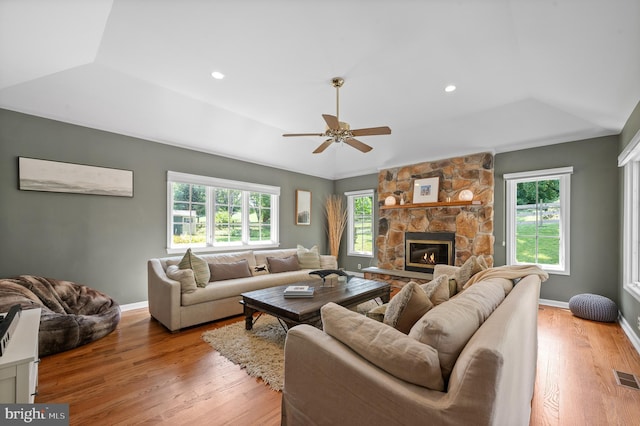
(438, 204)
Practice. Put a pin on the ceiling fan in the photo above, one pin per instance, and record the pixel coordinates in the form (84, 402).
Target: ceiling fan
(338, 131)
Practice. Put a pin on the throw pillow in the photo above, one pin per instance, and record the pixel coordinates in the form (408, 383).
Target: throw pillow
(308, 258)
(377, 313)
(184, 276)
(283, 264)
(468, 269)
(450, 271)
(383, 346)
(229, 271)
(406, 307)
(199, 267)
(437, 290)
(260, 270)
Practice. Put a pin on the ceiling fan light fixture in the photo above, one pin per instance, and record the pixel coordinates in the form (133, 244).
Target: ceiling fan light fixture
(340, 132)
(450, 88)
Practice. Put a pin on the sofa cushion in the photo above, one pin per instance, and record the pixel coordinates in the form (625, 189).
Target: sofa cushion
(283, 264)
(384, 346)
(449, 326)
(261, 255)
(468, 269)
(437, 290)
(199, 267)
(450, 271)
(228, 271)
(231, 257)
(308, 258)
(407, 307)
(184, 276)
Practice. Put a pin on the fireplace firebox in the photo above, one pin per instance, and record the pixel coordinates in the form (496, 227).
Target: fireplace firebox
(424, 250)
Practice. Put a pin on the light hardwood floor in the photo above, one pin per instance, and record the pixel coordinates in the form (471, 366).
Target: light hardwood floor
(142, 374)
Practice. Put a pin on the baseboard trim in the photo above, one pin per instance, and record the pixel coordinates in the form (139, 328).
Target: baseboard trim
(555, 303)
(628, 330)
(136, 305)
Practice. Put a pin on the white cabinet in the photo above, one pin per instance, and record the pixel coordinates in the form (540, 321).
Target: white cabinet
(19, 364)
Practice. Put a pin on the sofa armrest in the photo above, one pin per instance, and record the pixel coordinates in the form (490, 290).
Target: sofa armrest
(164, 296)
(353, 390)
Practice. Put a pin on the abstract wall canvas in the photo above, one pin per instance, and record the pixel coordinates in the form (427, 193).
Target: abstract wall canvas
(55, 176)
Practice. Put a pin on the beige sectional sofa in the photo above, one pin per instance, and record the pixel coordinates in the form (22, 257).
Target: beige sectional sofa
(468, 360)
(176, 308)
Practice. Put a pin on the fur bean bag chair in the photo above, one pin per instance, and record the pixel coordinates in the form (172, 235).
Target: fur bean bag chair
(72, 314)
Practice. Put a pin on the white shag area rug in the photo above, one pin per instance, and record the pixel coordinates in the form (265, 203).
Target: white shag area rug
(259, 351)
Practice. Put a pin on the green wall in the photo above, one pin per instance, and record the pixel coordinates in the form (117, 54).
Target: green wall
(595, 207)
(102, 241)
(629, 305)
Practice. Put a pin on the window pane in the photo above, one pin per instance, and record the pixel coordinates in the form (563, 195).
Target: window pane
(259, 217)
(538, 213)
(361, 220)
(189, 225)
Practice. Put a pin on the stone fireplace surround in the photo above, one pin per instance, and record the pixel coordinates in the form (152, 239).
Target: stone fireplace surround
(472, 224)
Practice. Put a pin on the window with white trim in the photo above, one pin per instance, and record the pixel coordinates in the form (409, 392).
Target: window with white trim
(360, 223)
(537, 218)
(630, 160)
(211, 213)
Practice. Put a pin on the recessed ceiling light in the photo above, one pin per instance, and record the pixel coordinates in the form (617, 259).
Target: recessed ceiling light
(450, 88)
(217, 75)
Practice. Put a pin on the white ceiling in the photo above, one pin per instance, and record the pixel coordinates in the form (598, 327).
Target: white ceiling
(528, 72)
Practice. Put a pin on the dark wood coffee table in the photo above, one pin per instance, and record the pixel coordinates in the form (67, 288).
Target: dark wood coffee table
(294, 311)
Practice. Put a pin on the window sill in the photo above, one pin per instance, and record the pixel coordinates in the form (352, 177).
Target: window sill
(239, 247)
(360, 255)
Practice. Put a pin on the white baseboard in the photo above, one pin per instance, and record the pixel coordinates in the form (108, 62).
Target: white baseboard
(136, 305)
(628, 330)
(555, 303)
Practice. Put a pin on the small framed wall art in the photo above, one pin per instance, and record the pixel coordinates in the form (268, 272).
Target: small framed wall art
(303, 207)
(425, 190)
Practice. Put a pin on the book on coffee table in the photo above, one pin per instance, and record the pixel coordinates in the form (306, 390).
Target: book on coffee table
(298, 291)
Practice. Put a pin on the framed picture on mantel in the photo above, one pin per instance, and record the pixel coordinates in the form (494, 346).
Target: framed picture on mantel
(303, 207)
(425, 190)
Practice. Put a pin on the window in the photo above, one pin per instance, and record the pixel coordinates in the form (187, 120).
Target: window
(537, 217)
(210, 213)
(630, 160)
(360, 223)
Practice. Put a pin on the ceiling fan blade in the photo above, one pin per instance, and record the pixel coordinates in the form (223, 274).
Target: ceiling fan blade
(370, 131)
(332, 121)
(323, 146)
(358, 145)
(303, 134)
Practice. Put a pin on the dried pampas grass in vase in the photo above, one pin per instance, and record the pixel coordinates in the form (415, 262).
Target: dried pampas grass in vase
(336, 222)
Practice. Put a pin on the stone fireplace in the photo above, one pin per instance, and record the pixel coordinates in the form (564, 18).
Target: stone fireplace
(470, 224)
(424, 250)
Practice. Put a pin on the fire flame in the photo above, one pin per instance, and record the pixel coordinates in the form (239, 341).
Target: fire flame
(429, 259)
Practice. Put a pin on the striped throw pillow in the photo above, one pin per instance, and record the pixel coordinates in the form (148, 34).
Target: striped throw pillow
(199, 267)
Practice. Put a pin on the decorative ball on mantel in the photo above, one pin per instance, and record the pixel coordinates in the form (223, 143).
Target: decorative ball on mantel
(465, 195)
(390, 201)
